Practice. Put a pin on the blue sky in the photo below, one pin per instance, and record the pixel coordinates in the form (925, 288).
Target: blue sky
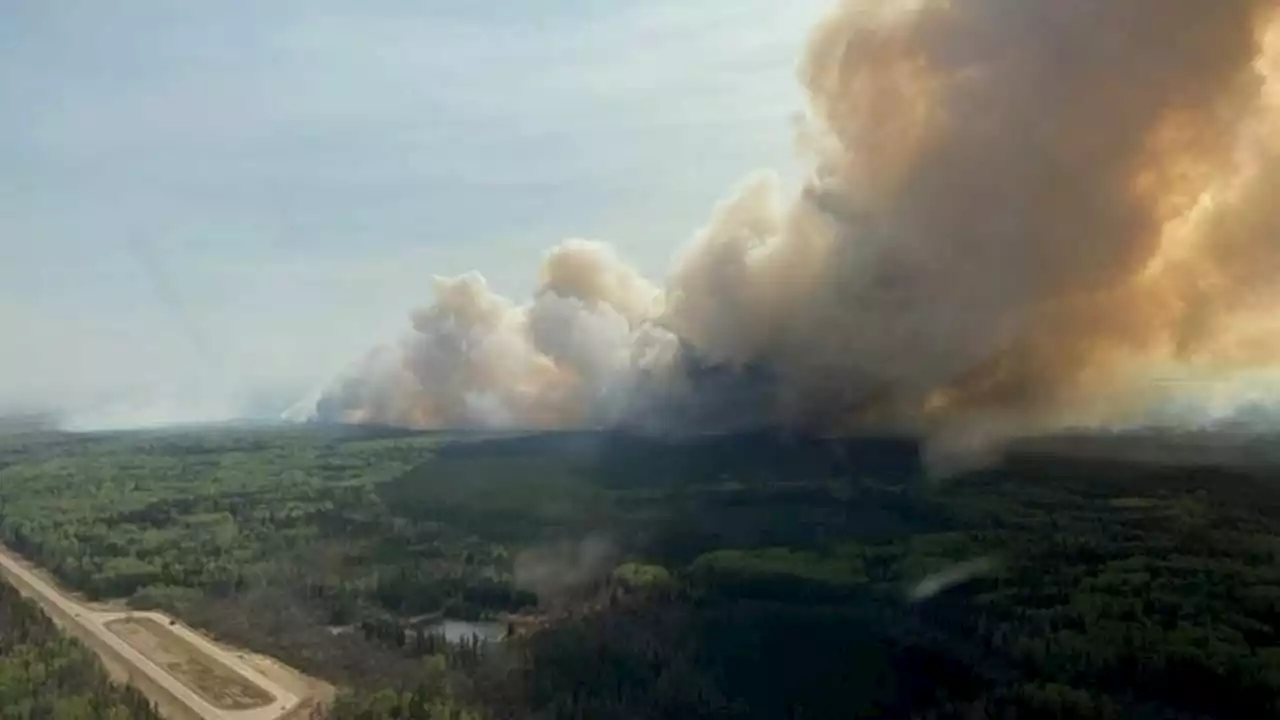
(206, 207)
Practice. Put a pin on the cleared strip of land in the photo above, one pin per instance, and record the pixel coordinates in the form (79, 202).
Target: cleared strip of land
(185, 674)
(213, 681)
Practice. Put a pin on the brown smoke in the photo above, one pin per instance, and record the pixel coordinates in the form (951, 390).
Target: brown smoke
(1021, 212)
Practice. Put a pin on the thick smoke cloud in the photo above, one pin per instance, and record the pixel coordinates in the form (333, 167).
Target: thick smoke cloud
(1021, 212)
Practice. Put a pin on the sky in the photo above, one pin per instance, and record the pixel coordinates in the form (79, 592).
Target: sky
(209, 209)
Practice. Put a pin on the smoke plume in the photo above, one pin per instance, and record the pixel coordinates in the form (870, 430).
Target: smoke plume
(1020, 214)
(558, 569)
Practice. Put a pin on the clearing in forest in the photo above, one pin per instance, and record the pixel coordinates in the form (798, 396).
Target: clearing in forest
(213, 681)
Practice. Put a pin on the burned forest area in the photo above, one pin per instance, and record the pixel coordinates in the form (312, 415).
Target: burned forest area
(611, 575)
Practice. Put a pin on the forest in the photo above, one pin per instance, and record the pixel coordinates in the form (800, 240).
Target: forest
(736, 576)
(45, 674)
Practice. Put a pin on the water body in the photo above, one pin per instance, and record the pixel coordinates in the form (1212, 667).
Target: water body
(458, 630)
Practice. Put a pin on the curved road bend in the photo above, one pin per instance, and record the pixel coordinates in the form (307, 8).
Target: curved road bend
(93, 623)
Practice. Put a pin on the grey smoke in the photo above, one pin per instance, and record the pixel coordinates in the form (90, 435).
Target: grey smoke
(1019, 211)
(556, 569)
(950, 577)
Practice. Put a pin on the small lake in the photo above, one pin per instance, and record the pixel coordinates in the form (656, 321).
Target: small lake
(457, 630)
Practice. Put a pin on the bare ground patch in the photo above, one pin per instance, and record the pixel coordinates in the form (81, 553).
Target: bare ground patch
(312, 691)
(213, 681)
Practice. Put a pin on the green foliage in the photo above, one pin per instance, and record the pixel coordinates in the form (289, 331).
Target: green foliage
(1123, 590)
(641, 576)
(388, 704)
(780, 573)
(839, 570)
(44, 674)
(263, 537)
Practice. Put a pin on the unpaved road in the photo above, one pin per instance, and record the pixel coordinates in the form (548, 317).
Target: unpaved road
(171, 696)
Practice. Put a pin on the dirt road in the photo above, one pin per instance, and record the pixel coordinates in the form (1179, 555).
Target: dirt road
(173, 697)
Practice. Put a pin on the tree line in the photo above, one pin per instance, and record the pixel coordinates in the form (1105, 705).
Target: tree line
(46, 674)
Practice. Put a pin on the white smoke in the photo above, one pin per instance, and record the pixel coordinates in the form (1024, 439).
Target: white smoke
(1019, 211)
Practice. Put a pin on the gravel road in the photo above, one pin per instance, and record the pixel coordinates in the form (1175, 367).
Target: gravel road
(163, 688)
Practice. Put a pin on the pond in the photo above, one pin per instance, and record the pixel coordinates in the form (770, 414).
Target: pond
(457, 630)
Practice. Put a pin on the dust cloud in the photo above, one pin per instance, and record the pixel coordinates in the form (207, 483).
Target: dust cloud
(1021, 214)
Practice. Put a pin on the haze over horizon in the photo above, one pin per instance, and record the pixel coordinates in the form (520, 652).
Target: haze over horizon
(210, 210)
(1013, 215)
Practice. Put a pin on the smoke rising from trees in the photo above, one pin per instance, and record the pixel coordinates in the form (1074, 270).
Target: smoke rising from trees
(1019, 213)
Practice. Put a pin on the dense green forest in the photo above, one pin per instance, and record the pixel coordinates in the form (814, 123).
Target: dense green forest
(732, 576)
(45, 674)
